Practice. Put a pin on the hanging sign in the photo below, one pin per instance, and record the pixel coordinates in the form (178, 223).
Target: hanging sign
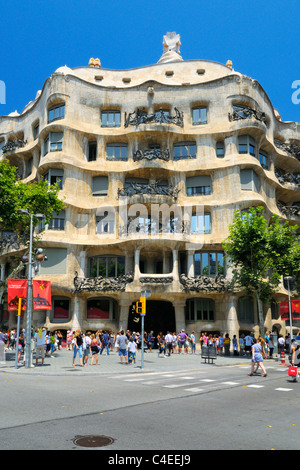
(295, 310)
(41, 291)
(16, 288)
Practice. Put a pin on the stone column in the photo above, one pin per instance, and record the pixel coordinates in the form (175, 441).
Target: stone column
(137, 264)
(76, 320)
(231, 324)
(124, 305)
(190, 263)
(179, 314)
(175, 271)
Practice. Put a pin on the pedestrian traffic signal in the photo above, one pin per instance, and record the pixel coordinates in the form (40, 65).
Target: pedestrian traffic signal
(140, 306)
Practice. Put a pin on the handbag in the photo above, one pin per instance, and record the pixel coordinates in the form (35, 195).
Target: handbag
(292, 371)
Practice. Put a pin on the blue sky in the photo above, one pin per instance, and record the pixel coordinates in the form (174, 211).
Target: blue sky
(260, 37)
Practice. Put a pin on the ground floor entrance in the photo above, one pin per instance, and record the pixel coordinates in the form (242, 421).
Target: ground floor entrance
(160, 317)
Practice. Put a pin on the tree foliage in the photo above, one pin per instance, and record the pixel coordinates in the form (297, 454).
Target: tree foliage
(36, 197)
(262, 252)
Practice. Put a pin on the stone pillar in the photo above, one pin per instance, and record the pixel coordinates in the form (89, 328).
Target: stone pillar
(76, 320)
(175, 271)
(231, 324)
(179, 314)
(124, 311)
(137, 264)
(190, 263)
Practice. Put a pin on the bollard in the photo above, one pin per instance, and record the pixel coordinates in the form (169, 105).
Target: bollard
(282, 356)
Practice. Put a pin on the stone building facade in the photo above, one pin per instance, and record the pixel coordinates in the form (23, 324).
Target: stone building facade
(152, 163)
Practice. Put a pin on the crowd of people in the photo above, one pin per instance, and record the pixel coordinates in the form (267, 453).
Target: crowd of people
(89, 346)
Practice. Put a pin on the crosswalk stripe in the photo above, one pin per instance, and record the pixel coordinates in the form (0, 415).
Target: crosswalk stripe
(194, 389)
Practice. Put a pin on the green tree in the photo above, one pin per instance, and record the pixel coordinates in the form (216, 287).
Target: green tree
(260, 253)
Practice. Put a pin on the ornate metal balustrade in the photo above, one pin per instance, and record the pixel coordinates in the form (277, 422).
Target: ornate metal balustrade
(291, 149)
(152, 189)
(102, 284)
(12, 241)
(12, 145)
(245, 112)
(153, 154)
(156, 280)
(289, 211)
(204, 283)
(286, 177)
(140, 116)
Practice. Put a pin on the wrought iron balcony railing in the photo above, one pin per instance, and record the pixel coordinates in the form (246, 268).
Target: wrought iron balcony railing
(140, 116)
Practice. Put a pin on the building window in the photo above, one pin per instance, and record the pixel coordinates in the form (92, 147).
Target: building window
(110, 119)
(264, 159)
(117, 152)
(200, 310)
(199, 115)
(249, 180)
(101, 309)
(60, 309)
(209, 263)
(56, 112)
(92, 151)
(220, 149)
(106, 266)
(201, 223)
(56, 262)
(36, 130)
(105, 223)
(198, 185)
(55, 176)
(100, 185)
(29, 166)
(246, 144)
(58, 221)
(53, 142)
(184, 150)
(246, 309)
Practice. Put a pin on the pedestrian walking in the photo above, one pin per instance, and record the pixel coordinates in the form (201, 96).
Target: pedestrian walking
(94, 349)
(2, 347)
(69, 340)
(257, 358)
(105, 343)
(242, 345)
(271, 347)
(193, 342)
(151, 339)
(122, 343)
(174, 343)
(40, 341)
(78, 341)
(235, 346)
(295, 356)
(132, 347)
(86, 348)
(169, 339)
(281, 343)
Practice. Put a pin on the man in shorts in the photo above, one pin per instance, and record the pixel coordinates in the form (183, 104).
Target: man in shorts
(122, 342)
(40, 338)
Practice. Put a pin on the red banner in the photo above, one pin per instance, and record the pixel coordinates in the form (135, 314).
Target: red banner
(41, 295)
(16, 288)
(295, 310)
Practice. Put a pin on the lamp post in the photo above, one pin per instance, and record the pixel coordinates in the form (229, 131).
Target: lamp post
(288, 279)
(29, 290)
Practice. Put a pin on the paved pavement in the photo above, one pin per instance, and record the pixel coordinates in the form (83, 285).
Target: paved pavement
(61, 363)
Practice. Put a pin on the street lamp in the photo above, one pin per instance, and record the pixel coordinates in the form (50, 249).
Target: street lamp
(29, 289)
(288, 279)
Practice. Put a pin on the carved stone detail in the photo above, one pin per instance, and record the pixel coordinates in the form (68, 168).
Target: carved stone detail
(102, 284)
(204, 283)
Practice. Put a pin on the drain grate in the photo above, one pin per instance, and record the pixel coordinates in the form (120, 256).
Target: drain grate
(93, 441)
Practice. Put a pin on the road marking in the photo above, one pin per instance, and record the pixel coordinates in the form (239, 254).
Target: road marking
(230, 383)
(284, 389)
(208, 380)
(194, 390)
(255, 386)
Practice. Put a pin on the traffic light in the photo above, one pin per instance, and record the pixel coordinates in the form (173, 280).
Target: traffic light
(140, 306)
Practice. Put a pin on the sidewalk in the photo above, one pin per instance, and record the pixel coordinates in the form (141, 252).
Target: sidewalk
(61, 364)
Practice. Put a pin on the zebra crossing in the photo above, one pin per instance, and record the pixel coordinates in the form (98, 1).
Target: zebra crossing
(199, 381)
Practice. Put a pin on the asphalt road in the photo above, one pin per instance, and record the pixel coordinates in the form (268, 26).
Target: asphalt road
(188, 409)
